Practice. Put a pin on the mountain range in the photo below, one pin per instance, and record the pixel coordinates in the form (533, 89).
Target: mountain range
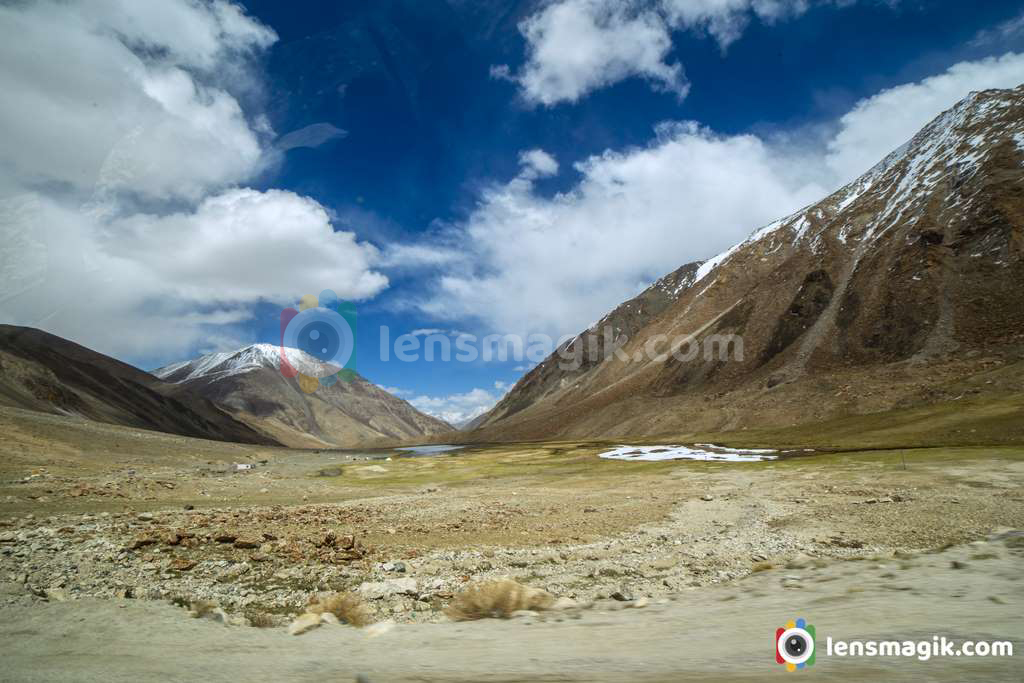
(235, 396)
(897, 291)
(248, 385)
(900, 289)
(43, 372)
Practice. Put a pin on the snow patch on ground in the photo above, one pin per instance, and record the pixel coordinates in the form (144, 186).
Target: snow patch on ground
(705, 451)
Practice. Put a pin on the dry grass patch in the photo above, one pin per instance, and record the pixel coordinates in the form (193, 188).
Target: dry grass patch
(261, 620)
(349, 608)
(497, 600)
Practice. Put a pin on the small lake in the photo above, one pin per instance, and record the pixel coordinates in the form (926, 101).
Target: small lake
(701, 451)
(419, 451)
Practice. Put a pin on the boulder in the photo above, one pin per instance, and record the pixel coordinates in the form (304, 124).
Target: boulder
(303, 623)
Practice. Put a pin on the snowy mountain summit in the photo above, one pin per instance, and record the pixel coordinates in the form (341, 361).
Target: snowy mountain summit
(247, 359)
(248, 385)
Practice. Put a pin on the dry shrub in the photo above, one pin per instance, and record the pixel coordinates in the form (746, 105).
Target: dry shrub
(202, 608)
(348, 607)
(261, 620)
(762, 567)
(497, 600)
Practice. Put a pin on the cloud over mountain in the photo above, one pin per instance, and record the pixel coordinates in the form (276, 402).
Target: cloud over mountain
(123, 223)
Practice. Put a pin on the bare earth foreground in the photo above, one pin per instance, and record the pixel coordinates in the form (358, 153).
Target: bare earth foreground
(675, 570)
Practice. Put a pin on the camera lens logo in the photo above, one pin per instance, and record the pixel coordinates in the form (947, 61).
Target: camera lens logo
(794, 645)
(324, 328)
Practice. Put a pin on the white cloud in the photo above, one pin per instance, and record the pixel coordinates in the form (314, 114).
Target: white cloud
(554, 265)
(726, 20)
(577, 46)
(879, 124)
(111, 96)
(458, 409)
(397, 391)
(243, 245)
(124, 141)
(538, 164)
(434, 253)
(161, 284)
(1009, 30)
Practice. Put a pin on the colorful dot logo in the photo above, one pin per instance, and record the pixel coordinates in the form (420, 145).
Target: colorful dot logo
(794, 645)
(323, 328)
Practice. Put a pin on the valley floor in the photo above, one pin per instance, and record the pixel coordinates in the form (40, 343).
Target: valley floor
(103, 530)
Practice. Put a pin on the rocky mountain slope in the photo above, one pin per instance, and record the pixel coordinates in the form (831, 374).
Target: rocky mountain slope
(900, 289)
(43, 372)
(247, 384)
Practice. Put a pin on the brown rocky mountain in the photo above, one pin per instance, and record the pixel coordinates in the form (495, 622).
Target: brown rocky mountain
(247, 384)
(42, 372)
(901, 289)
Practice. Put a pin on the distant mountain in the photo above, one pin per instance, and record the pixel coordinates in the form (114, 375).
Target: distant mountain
(247, 384)
(40, 371)
(902, 288)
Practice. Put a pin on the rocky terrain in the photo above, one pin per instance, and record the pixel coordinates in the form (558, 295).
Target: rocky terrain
(113, 538)
(909, 274)
(257, 531)
(247, 384)
(719, 633)
(707, 557)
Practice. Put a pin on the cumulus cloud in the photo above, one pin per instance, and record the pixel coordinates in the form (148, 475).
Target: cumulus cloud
(134, 113)
(555, 264)
(538, 164)
(726, 20)
(242, 245)
(879, 124)
(437, 253)
(577, 46)
(552, 265)
(146, 284)
(459, 409)
(122, 223)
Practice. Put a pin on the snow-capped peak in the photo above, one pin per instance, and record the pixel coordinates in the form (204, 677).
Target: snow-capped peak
(952, 146)
(247, 359)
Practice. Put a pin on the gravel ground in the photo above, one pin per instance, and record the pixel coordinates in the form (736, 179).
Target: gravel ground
(715, 633)
(641, 537)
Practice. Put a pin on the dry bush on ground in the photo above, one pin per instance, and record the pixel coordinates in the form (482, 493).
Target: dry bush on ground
(261, 620)
(348, 607)
(497, 599)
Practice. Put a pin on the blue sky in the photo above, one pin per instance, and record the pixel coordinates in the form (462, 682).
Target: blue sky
(660, 132)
